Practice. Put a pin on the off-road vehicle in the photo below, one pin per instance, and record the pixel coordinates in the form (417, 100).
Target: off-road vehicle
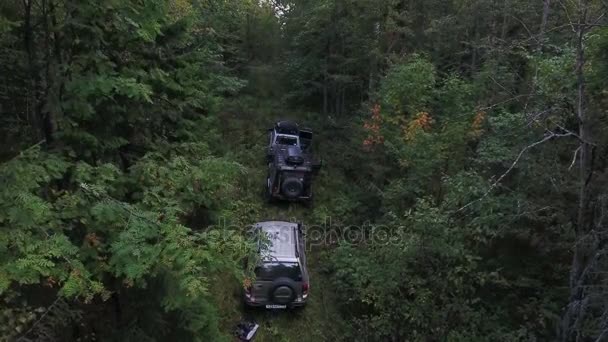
(291, 166)
(281, 277)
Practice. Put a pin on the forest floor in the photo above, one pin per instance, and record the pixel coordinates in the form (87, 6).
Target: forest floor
(320, 320)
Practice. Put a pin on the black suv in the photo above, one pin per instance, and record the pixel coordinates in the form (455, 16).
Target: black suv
(290, 163)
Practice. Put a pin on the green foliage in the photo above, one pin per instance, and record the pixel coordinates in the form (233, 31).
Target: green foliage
(127, 193)
(407, 86)
(409, 287)
(185, 177)
(448, 267)
(76, 239)
(145, 119)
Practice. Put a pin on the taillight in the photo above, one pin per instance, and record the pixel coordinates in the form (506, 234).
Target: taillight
(305, 289)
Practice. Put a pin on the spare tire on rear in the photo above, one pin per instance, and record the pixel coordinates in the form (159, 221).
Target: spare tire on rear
(292, 187)
(283, 291)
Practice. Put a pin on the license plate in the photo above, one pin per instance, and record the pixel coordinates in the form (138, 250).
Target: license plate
(276, 306)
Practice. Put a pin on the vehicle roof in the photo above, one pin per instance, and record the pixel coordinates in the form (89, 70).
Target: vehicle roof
(283, 239)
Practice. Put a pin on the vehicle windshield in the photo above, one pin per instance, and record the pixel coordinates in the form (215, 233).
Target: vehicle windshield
(286, 140)
(274, 270)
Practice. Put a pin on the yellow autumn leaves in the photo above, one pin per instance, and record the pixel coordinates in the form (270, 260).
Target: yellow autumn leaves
(477, 125)
(421, 122)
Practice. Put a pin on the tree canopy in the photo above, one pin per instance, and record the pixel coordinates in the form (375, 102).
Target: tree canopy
(462, 195)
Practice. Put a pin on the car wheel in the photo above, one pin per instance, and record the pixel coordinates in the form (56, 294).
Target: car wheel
(292, 187)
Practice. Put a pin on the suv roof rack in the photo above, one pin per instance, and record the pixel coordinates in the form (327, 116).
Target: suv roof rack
(283, 240)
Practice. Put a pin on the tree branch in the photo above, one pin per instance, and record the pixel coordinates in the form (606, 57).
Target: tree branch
(57, 301)
(548, 137)
(574, 158)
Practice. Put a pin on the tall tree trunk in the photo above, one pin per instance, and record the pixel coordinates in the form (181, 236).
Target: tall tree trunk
(543, 23)
(336, 100)
(32, 61)
(342, 102)
(584, 248)
(505, 15)
(325, 100)
(583, 125)
(373, 63)
(474, 46)
(47, 103)
(326, 76)
(582, 222)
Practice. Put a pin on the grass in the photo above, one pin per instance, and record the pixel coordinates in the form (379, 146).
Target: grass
(320, 320)
(315, 322)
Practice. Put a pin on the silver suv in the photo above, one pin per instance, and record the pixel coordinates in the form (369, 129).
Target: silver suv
(281, 277)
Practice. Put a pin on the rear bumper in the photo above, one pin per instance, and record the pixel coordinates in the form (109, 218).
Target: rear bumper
(260, 304)
(280, 196)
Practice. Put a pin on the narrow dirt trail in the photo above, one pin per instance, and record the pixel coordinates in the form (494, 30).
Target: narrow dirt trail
(314, 322)
(320, 319)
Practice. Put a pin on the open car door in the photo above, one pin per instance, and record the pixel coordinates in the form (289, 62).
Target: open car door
(305, 139)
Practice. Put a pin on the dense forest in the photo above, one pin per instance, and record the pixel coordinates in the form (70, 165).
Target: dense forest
(462, 195)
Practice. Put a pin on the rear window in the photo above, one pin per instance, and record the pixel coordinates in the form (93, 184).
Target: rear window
(283, 140)
(274, 270)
